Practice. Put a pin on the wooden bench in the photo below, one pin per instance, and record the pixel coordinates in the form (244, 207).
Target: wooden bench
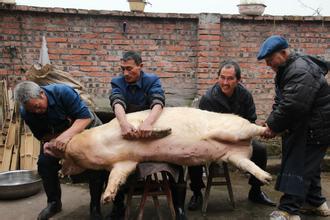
(151, 183)
(215, 171)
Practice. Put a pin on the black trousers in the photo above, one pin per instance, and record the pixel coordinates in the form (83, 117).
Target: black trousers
(48, 168)
(178, 190)
(259, 157)
(312, 183)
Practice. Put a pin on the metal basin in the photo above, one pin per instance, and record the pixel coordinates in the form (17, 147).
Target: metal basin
(19, 183)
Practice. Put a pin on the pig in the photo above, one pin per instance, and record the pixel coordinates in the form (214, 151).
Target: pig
(197, 137)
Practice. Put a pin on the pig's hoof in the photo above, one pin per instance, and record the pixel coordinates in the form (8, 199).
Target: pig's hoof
(264, 177)
(108, 197)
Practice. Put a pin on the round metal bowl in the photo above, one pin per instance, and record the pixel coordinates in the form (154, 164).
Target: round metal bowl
(19, 184)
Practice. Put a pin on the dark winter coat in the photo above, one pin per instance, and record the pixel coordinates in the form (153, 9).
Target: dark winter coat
(302, 112)
(240, 103)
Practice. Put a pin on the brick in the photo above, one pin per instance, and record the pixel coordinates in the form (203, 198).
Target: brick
(54, 29)
(89, 36)
(209, 37)
(9, 25)
(82, 52)
(121, 42)
(4, 72)
(107, 30)
(10, 31)
(166, 75)
(88, 46)
(209, 26)
(70, 57)
(8, 19)
(56, 40)
(57, 51)
(91, 69)
(81, 63)
(54, 57)
(112, 58)
(175, 48)
(98, 74)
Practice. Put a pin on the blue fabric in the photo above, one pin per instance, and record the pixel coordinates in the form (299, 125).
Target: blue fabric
(272, 44)
(140, 93)
(64, 106)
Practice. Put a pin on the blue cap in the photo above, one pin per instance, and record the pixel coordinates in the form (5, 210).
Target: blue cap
(272, 44)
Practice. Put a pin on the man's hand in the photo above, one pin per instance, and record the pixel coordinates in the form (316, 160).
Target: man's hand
(50, 149)
(56, 147)
(128, 131)
(144, 130)
(268, 133)
(61, 141)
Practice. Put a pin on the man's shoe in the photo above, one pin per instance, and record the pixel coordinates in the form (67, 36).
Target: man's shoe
(323, 210)
(282, 215)
(180, 214)
(117, 212)
(51, 209)
(196, 201)
(95, 214)
(260, 198)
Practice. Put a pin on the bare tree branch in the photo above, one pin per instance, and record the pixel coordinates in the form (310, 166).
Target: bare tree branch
(317, 11)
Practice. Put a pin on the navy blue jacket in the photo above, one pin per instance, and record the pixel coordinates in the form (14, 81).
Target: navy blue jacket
(64, 106)
(142, 95)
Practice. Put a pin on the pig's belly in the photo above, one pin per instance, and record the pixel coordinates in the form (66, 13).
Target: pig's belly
(187, 153)
(175, 150)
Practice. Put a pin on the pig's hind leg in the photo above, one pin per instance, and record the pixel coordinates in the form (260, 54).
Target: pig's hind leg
(118, 175)
(235, 134)
(243, 163)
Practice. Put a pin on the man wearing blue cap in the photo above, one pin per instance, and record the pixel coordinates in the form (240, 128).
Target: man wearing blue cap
(301, 113)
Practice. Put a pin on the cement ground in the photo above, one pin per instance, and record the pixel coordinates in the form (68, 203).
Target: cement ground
(76, 204)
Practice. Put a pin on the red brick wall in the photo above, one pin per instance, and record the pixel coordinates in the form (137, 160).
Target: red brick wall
(240, 40)
(183, 49)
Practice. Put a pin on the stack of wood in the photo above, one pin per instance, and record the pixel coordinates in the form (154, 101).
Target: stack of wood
(19, 149)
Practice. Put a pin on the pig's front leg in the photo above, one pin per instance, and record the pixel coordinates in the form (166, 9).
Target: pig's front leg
(118, 175)
(70, 168)
(246, 164)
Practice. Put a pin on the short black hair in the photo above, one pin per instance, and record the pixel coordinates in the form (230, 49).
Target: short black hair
(229, 64)
(132, 55)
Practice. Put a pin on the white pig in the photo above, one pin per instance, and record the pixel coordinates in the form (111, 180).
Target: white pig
(197, 137)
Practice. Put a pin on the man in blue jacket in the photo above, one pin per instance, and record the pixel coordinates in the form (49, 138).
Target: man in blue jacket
(135, 91)
(55, 113)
